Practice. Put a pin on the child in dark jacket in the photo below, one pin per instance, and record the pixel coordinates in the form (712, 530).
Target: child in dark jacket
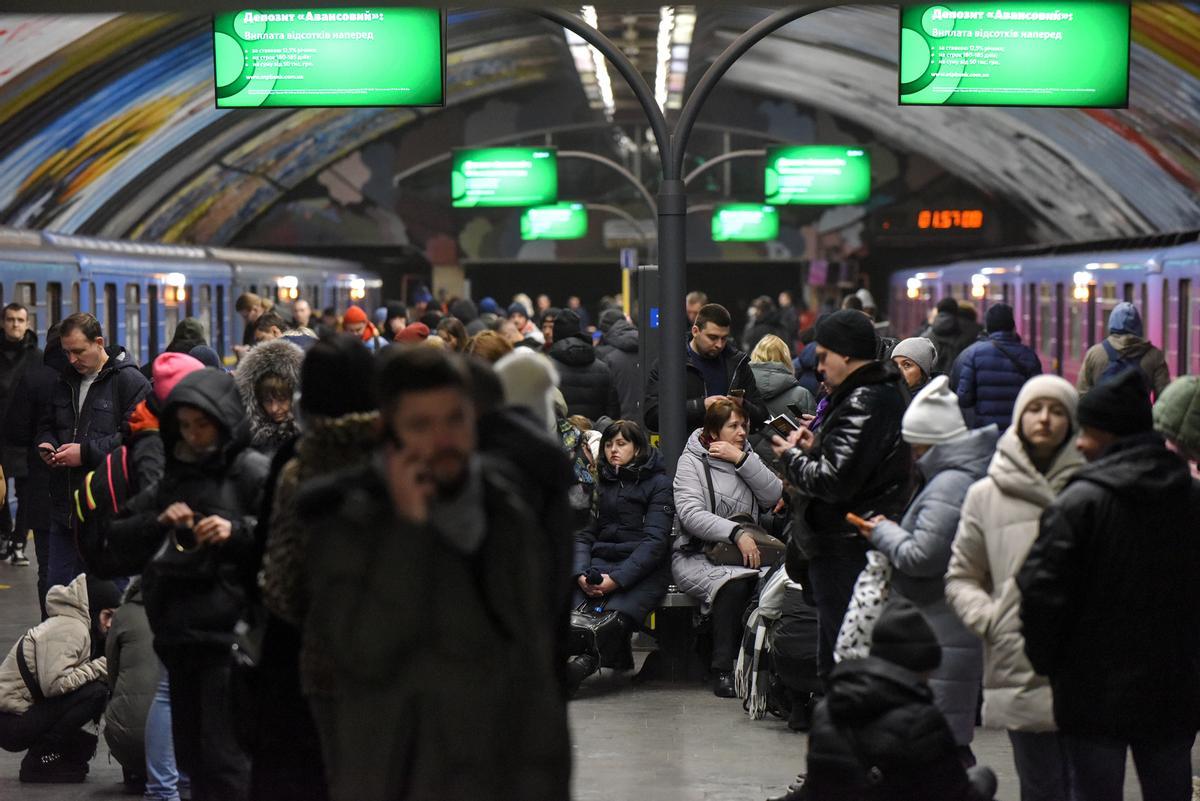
(877, 735)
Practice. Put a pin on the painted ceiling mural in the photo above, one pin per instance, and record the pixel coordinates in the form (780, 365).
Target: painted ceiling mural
(108, 125)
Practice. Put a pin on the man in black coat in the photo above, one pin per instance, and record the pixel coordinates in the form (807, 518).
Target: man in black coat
(431, 594)
(715, 367)
(619, 349)
(18, 350)
(585, 381)
(855, 462)
(1111, 604)
(94, 395)
(877, 734)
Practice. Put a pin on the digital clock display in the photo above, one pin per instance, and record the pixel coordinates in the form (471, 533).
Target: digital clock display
(955, 219)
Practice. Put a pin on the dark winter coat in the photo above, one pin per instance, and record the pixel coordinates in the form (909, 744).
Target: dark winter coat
(199, 604)
(919, 549)
(451, 656)
(278, 357)
(118, 388)
(989, 380)
(878, 735)
(585, 381)
(15, 359)
(948, 337)
(31, 399)
(133, 676)
(807, 369)
(859, 462)
(629, 536)
(1110, 603)
(737, 369)
(619, 350)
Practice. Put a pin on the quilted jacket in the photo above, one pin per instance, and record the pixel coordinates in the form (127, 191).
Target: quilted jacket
(989, 379)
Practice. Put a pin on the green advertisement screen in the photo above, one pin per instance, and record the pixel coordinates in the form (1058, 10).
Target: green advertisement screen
(504, 176)
(745, 222)
(558, 221)
(1015, 54)
(817, 175)
(329, 57)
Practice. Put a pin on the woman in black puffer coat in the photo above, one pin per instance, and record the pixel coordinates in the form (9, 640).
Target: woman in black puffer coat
(621, 560)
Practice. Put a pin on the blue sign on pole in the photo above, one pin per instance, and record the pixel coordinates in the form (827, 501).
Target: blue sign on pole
(629, 258)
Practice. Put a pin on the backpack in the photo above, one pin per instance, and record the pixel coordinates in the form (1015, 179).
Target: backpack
(101, 499)
(575, 444)
(1118, 364)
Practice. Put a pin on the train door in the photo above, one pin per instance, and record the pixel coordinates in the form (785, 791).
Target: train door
(133, 321)
(54, 306)
(111, 324)
(1060, 353)
(26, 295)
(172, 295)
(152, 340)
(205, 315)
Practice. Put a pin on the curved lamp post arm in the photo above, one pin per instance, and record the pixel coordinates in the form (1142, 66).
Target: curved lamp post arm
(721, 159)
(615, 167)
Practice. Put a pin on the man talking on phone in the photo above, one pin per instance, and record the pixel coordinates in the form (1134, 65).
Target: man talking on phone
(96, 391)
(858, 463)
(428, 573)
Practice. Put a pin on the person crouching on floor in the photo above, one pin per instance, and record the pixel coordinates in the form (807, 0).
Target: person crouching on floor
(52, 683)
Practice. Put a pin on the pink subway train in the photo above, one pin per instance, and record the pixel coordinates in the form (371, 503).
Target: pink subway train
(1062, 297)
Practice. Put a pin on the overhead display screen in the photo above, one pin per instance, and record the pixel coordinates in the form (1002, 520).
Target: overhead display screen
(329, 57)
(504, 176)
(559, 221)
(817, 175)
(1015, 54)
(745, 222)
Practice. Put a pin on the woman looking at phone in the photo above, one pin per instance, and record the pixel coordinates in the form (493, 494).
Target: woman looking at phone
(719, 476)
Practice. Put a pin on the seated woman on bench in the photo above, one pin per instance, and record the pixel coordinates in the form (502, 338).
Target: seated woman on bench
(621, 555)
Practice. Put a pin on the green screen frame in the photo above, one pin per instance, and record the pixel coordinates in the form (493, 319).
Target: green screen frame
(572, 205)
(545, 199)
(768, 208)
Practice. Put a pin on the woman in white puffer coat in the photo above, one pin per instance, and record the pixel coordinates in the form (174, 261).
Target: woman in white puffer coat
(1034, 459)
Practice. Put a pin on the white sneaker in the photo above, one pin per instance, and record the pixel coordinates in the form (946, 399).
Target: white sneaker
(17, 558)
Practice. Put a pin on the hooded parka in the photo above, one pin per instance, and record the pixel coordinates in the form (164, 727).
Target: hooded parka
(133, 673)
(585, 381)
(619, 350)
(630, 535)
(997, 527)
(276, 357)
(15, 359)
(919, 550)
(199, 604)
(747, 489)
(1110, 602)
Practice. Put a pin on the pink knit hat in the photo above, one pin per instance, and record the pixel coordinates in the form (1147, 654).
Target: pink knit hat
(169, 369)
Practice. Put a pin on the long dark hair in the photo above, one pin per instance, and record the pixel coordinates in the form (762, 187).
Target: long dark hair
(631, 432)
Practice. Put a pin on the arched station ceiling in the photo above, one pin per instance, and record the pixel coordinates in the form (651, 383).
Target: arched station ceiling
(108, 125)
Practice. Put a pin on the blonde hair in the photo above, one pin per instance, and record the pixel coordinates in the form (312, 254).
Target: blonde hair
(772, 349)
(489, 346)
(435, 342)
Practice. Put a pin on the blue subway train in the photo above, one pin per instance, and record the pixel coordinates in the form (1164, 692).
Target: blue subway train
(140, 291)
(1062, 297)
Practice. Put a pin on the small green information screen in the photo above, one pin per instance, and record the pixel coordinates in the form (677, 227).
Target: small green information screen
(745, 222)
(504, 176)
(1015, 54)
(329, 57)
(557, 221)
(817, 175)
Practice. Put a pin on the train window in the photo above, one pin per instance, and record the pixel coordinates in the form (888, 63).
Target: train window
(152, 309)
(133, 322)
(189, 298)
(1091, 324)
(1127, 292)
(206, 311)
(1060, 297)
(221, 320)
(26, 295)
(74, 296)
(1031, 309)
(1185, 325)
(1006, 295)
(92, 300)
(110, 313)
(54, 301)
(171, 310)
(1046, 315)
(1166, 314)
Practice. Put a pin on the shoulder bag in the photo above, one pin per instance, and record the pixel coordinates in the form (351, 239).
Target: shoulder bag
(871, 592)
(771, 549)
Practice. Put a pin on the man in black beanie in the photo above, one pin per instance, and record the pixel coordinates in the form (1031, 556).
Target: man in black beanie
(878, 734)
(585, 380)
(991, 372)
(1111, 604)
(855, 462)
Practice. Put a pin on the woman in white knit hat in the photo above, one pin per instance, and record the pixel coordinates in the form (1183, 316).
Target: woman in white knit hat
(950, 458)
(1034, 460)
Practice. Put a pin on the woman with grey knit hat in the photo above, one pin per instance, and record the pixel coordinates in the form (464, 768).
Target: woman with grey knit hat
(915, 357)
(999, 523)
(949, 459)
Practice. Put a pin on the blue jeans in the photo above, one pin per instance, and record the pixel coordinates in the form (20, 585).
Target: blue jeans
(163, 780)
(65, 562)
(1097, 767)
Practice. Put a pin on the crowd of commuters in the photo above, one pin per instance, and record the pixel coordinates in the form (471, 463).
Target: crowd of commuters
(375, 555)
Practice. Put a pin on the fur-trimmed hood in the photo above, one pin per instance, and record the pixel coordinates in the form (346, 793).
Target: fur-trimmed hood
(275, 357)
